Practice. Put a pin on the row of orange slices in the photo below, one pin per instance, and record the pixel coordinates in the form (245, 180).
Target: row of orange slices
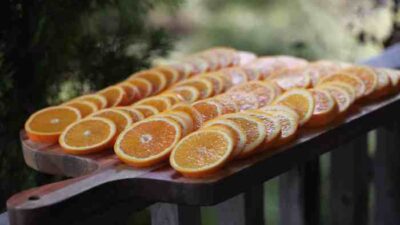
(238, 105)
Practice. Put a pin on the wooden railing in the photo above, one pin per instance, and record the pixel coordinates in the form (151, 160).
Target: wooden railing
(237, 192)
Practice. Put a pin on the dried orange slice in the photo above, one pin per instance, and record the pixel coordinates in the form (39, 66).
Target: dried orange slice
(350, 79)
(319, 69)
(135, 114)
(264, 92)
(187, 93)
(88, 136)
(148, 142)
(173, 97)
(255, 131)
(203, 152)
(244, 100)
(289, 125)
(99, 100)
(325, 109)
(131, 91)
(120, 118)
(182, 118)
(238, 133)
(246, 57)
(348, 88)
(272, 126)
(204, 86)
(85, 107)
(47, 124)
(252, 74)
(291, 78)
(236, 75)
(161, 103)
(342, 97)
(115, 95)
(144, 86)
(217, 81)
(366, 75)
(171, 75)
(146, 110)
(157, 79)
(384, 86)
(300, 100)
(208, 109)
(279, 108)
(194, 114)
(227, 105)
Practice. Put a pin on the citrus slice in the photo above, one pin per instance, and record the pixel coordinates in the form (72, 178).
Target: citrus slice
(394, 76)
(187, 93)
(171, 75)
(120, 118)
(135, 114)
(279, 108)
(244, 100)
(99, 100)
(236, 75)
(366, 75)
(194, 114)
(203, 152)
(238, 133)
(342, 97)
(272, 126)
(182, 118)
(300, 100)
(131, 91)
(148, 142)
(85, 108)
(157, 79)
(264, 92)
(47, 124)
(173, 97)
(115, 95)
(252, 74)
(246, 57)
(291, 78)
(88, 136)
(161, 103)
(144, 86)
(255, 131)
(348, 88)
(208, 109)
(146, 110)
(350, 79)
(217, 81)
(227, 105)
(289, 125)
(204, 86)
(325, 109)
(384, 86)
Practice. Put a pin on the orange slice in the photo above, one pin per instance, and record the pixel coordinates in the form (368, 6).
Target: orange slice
(244, 100)
(161, 103)
(236, 75)
(131, 91)
(202, 153)
(115, 95)
(255, 131)
(187, 93)
(264, 92)
(366, 75)
(289, 125)
(47, 124)
(350, 79)
(300, 100)
(252, 74)
(238, 133)
(171, 75)
(146, 110)
(384, 86)
(144, 86)
(99, 100)
(135, 114)
(148, 142)
(342, 97)
(325, 109)
(279, 108)
(85, 107)
(272, 126)
(173, 97)
(204, 86)
(348, 88)
(291, 78)
(227, 105)
(208, 109)
(157, 79)
(217, 81)
(120, 118)
(394, 76)
(88, 136)
(246, 57)
(182, 118)
(194, 114)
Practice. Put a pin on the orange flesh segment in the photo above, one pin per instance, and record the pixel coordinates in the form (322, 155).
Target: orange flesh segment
(53, 120)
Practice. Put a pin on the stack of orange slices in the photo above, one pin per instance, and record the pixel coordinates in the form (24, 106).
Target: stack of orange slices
(210, 108)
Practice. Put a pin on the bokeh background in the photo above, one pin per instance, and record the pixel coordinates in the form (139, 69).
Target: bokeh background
(54, 50)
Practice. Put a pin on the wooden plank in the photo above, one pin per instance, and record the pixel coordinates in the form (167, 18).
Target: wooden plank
(387, 175)
(299, 195)
(244, 209)
(172, 214)
(349, 183)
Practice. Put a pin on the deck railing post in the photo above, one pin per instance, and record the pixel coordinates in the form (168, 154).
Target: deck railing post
(243, 209)
(349, 183)
(387, 175)
(172, 214)
(299, 195)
